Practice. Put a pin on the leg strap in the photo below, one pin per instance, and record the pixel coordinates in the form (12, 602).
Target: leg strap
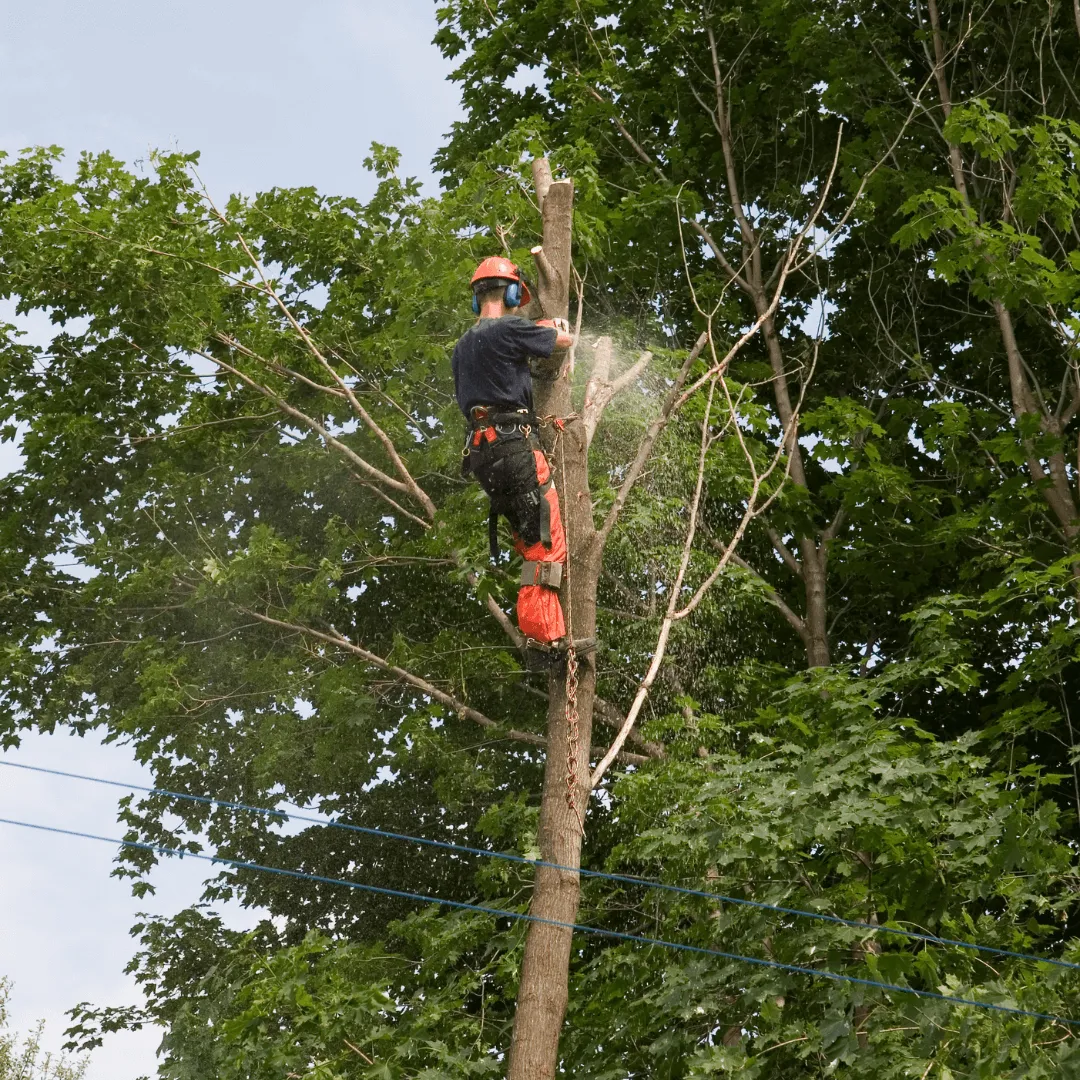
(545, 517)
(542, 573)
(493, 533)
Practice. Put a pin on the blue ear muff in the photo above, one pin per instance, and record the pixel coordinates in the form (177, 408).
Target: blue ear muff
(475, 304)
(513, 294)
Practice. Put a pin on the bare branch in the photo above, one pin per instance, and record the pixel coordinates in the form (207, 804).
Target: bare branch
(631, 374)
(232, 343)
(723, 126)
(854, 200)
(611, 717)
(700, 229)
(600, 388)
(309, 422)
(355, 1050)
(411, 485)
(784, 551)
(497, 613)
(956, 163)
(766, 311)
(465, 712)
(392, 502)
(834, 526)
(795, 620)
(673, 600)
(753, 509)
(579, 288)
(168, 433)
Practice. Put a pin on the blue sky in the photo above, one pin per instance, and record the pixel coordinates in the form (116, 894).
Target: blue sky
(272, 94)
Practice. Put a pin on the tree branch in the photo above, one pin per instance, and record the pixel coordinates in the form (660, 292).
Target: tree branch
(392, 502)
(411, 485)
(956, 162)
(674, 613)
(796, 621)
(497, 613)
(309, 422)
(673, 600)
(723, 126)
(834, 526)
(631, 373)
(601, 388)
(464, 711)
(611, 717)
(784, 551)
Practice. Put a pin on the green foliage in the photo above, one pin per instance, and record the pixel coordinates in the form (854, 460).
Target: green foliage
(24, 1058)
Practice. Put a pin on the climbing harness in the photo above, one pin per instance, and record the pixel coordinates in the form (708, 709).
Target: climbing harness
(503, 444)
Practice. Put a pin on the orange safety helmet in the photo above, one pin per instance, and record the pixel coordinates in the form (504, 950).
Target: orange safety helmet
(503, 270)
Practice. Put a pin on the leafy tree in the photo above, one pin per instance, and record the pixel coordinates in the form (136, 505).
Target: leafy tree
(23, 1058)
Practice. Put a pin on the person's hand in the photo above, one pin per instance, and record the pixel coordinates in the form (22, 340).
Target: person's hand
(561, 327)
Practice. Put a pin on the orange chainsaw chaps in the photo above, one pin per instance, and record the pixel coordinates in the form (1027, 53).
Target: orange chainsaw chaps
(539, 613)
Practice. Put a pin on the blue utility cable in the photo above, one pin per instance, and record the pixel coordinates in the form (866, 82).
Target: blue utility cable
(681, 890)
(619, 935)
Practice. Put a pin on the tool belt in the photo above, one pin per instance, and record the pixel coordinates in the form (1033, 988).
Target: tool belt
(498, 451)
(486, 422)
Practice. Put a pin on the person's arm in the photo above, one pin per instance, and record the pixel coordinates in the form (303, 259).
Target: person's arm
(537, 340)
(564, 339)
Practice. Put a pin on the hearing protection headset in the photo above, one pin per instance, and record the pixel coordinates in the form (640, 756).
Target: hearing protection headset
(501, 271)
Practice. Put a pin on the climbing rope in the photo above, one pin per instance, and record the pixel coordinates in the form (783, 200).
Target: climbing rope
(573, 732)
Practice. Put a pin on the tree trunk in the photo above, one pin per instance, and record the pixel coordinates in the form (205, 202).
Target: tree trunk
(543, 991)
(816, 620)
(813, 553)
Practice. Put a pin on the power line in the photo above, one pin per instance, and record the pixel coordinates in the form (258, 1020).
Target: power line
(794, 969)
(445, 845)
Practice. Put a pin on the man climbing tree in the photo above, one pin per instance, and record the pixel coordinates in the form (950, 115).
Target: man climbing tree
(493, 387)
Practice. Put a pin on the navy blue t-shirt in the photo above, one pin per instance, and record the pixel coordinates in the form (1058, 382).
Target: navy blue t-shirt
(491, 362)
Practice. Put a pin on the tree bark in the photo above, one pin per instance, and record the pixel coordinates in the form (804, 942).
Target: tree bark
(544, 988)
(813, 553)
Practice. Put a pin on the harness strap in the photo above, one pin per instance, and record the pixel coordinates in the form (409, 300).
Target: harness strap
(542, 573)
(545, 518)
(493, 533)
(483, 416)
